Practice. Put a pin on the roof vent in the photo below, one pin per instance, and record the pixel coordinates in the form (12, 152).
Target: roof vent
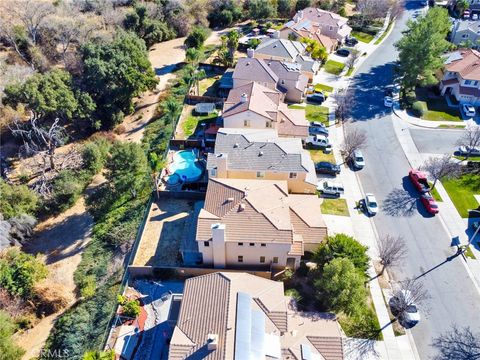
(236, 145)
(212, 342)
(260, 153)
(241, 207)
(243, 98)
(230, 199)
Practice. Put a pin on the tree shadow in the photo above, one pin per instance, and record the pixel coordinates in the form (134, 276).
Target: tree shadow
(399, 202)
(360, 349)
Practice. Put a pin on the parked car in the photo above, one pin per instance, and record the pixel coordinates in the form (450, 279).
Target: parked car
(316, 98)
(474, 16)
(311, 90)
(371, 205)
(316, 130)
(402, 306)
(429, 202)
(325, 167)
(319, 141)
(388, 101)
(469, 151)
(343, 52)
(330, 188)
(351, 41)
(419, 180)
(358, 161)
(468, 110)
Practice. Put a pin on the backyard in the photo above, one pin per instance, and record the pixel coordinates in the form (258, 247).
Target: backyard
(462, 191)
(333, 67)
(435, 108)
(192, 119)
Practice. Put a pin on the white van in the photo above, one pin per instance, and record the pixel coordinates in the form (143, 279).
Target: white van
(330, 188)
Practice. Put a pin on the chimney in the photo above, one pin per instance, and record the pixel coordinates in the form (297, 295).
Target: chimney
(250, 53)
(276, 35)
(212, 342)
(222, 166)
(243, 98)
(218, 242)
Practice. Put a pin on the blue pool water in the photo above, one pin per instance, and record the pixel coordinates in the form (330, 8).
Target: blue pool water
(185, 167)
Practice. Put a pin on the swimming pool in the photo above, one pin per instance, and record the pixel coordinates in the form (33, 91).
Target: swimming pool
(185, 167)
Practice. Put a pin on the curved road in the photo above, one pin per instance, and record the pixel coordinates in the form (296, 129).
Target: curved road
(453, 297)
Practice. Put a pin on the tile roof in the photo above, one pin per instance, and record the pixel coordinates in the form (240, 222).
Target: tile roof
(254, 69)
(209, 306)
(284, 48)
(320, 16)
(466, 62)
(260, 150)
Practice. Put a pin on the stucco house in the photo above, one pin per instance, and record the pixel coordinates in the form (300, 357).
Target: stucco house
(283, 76)
(461, 78)
(289, 51)
(259, 107)
(466, 32)
(261, 154)
(232, 315)
(257, 223)
(328, 28)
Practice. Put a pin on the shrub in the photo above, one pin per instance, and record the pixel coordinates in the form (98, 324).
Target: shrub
(197, 37)
(410, 97)
(94, 154)
(8, 349)
(16, 200)
(67, 188)
(418, 108)
(130, 308)
(295, 294)
(363, 325)
(88, 287)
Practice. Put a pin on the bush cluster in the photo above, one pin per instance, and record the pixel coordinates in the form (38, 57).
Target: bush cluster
(418, 108)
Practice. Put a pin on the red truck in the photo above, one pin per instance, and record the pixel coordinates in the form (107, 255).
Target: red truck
(419, 180)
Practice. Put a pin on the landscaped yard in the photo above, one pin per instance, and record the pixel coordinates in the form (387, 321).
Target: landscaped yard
(436, 107)
(314, 112)
(323, 87)
(334, 207)
(193, 119)
(435, 193)
(319, 155)
(461, 192)
(363, 37)
(333, 67)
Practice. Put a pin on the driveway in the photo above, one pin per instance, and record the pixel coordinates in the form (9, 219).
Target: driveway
(436, 141)
(453, 297)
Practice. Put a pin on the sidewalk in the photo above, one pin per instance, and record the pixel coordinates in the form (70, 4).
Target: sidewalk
(364, 231)
(402, 114)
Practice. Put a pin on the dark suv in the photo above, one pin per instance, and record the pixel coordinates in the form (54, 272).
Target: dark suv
(325, 167)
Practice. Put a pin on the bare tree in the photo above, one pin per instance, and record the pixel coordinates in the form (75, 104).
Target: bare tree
(355, 139)
(470, 139)
(352, 59)
(441, 167)
(457, 344)
(410, 292)
(344, 105)
(391, 251)
(370, 10)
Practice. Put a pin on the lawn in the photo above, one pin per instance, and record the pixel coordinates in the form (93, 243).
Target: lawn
(436, 107)
(319, 155)
(443, 126)
(469, 253)
(350, 71)
(435, 193)
(191, 122)
(461, 192)
(333, 67)
(314, 112)
(379, 40)
(335, 207)
(470, 158)
(363, 37)
(208, 86)
(323, 87)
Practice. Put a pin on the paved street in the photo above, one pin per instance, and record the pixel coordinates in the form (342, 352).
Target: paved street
(436, 141)
(454, 298)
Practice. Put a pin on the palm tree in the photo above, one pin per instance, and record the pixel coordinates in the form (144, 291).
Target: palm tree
(232, 42)
(156, 164)
(192, 55)
(171, 108)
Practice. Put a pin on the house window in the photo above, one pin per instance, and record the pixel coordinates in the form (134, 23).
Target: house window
(262, 259)
(282, 82)
(468, 82)
(240, 258)
(293, 175)
(260, 174)
(275, 260)
(213, 172)
(252, 244)
(475, 83)
(330, 28)
(263, 245)
(464, 36)
(268, 124)
(246, 123)
(240, 244)
(206, 243)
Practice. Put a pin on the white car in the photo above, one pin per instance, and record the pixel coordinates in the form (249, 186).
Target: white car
(469, 151)
(468, 110)
(330, 188)
(371, 204)
(388, 101)
(475, 17)
(358, 160)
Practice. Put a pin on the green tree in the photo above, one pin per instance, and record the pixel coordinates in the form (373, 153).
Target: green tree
(95, 153)
(192, 55)
(50, 95)
(156, 164)
(20, 271)
(224, 13)
(253, 43)
(8, 349)
(302, 4)
(130, 308)
(284, 8)
(16, 200)
(422, 46)
(67, 188)
(99, 355)
(342, 246)
(261, 9)
(461, 6)
(232, 42)
(197, 37)
(341, 286)
(127, 168)
(316, 50)
(114, 73)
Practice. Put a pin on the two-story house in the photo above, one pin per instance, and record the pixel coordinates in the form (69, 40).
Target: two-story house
(461, 77)
(261, 154)
(466, 33)
(256, 106)
(283, 76)
(254, 223)
(328, 28)
(289, 51)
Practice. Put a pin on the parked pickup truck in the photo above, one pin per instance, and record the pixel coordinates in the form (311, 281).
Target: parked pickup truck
(419, 180)
(319, 141)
